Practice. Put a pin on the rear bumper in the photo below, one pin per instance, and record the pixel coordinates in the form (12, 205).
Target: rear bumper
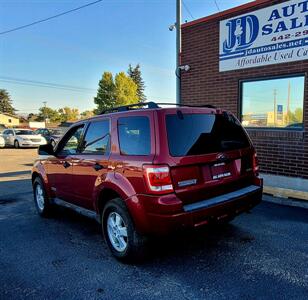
(169, 214)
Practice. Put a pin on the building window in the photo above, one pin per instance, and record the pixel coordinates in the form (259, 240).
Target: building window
(273, 103)
(10, 120)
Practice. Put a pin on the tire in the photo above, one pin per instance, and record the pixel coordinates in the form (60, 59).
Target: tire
(16, 144)
(43, 205)
(135, 248)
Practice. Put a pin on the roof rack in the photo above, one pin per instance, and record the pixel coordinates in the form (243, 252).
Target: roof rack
(149, 105)
(129, 107)
(185, 105)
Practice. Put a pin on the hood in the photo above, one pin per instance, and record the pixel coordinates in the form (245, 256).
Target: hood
(28, 136)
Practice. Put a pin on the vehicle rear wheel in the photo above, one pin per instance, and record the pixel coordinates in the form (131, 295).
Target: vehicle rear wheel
(124, 242)
(42, 203)
(16, 144)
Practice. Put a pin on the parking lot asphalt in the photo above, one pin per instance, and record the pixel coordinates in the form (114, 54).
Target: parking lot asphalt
(262, 255)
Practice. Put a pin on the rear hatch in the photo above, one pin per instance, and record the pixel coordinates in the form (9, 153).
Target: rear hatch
(212, 154)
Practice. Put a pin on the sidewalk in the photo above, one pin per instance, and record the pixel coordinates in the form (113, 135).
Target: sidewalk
(285, 190)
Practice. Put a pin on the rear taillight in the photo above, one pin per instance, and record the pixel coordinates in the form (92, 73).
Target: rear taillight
(158, 178)
(255, 163)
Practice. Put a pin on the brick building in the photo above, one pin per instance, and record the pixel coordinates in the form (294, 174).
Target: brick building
(266, 89)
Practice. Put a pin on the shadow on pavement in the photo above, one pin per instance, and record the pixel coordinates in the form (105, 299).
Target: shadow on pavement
(13, 174)
(15, 188)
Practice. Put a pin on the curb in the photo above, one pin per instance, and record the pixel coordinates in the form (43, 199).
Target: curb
(285, 201)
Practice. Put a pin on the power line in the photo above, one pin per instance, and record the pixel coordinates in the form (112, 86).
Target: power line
(44, 84)
(187, 9)
(57, 86)
(49, 18)
(217, 6)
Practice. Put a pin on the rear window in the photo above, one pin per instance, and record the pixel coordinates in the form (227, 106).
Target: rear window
(134, 135)
(197, 134)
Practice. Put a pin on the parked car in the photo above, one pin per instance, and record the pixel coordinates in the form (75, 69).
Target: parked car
(52, 136)
(2, 142)
(150, 171)
(20, 138)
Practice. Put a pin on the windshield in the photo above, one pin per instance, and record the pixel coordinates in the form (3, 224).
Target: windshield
(197, 134)
(24, 132)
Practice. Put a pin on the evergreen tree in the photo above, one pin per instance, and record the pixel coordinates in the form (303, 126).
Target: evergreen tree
(6, 102)
(135, 74)
(105, 97)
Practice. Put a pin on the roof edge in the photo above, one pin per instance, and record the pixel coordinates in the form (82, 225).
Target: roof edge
(225, 12)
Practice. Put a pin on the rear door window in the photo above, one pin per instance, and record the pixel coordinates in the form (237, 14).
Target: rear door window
(97, 138)
(198, 134)
(134, 135)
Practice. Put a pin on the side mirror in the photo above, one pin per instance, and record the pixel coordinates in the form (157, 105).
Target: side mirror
(46, 150)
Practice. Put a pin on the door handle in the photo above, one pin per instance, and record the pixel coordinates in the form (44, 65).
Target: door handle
(98, 167)
(66, 164)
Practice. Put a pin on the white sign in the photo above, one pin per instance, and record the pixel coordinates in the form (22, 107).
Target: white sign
(272, 35)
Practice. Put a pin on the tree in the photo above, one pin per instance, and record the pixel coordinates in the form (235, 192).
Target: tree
(87, 114)
(125, 90)
(6, 102)
(298, 115)
(48, 113)
(68, 114)
(105, 97)
(135, 75)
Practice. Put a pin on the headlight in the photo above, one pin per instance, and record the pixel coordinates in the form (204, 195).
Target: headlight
(25, 139)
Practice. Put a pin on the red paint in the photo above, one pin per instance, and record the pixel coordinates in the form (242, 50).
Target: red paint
(152, 212)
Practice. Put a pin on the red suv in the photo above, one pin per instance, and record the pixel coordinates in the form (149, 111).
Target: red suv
(143, 170)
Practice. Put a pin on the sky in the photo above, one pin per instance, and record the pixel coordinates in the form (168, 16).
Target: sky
(77, 48)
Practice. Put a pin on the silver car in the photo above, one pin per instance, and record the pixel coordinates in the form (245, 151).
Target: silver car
(2, 141)
(22, 138)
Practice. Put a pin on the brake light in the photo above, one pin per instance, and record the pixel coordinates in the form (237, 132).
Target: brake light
(255, 164)
(158, 178)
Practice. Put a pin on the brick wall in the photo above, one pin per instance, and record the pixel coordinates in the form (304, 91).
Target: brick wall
(280, 152)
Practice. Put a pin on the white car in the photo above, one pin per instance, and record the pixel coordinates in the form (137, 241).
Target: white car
(20, 138)
(2, 142)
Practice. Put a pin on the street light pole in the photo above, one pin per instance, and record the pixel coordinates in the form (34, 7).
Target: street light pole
(178, 49)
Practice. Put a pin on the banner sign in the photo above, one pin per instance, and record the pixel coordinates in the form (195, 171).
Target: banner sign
(272, 35)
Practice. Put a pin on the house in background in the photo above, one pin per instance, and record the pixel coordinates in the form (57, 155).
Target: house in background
(9, 120)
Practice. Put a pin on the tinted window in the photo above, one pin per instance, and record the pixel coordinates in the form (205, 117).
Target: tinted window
(275, 103)
(72, 141)
(97, 138)
(134, 136)
(197, 134)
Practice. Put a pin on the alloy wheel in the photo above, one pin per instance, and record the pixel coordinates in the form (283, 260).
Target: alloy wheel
(117, 232)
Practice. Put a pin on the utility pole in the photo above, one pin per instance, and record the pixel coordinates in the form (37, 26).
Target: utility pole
(288, 103)
(45, 105)
(178, 49)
